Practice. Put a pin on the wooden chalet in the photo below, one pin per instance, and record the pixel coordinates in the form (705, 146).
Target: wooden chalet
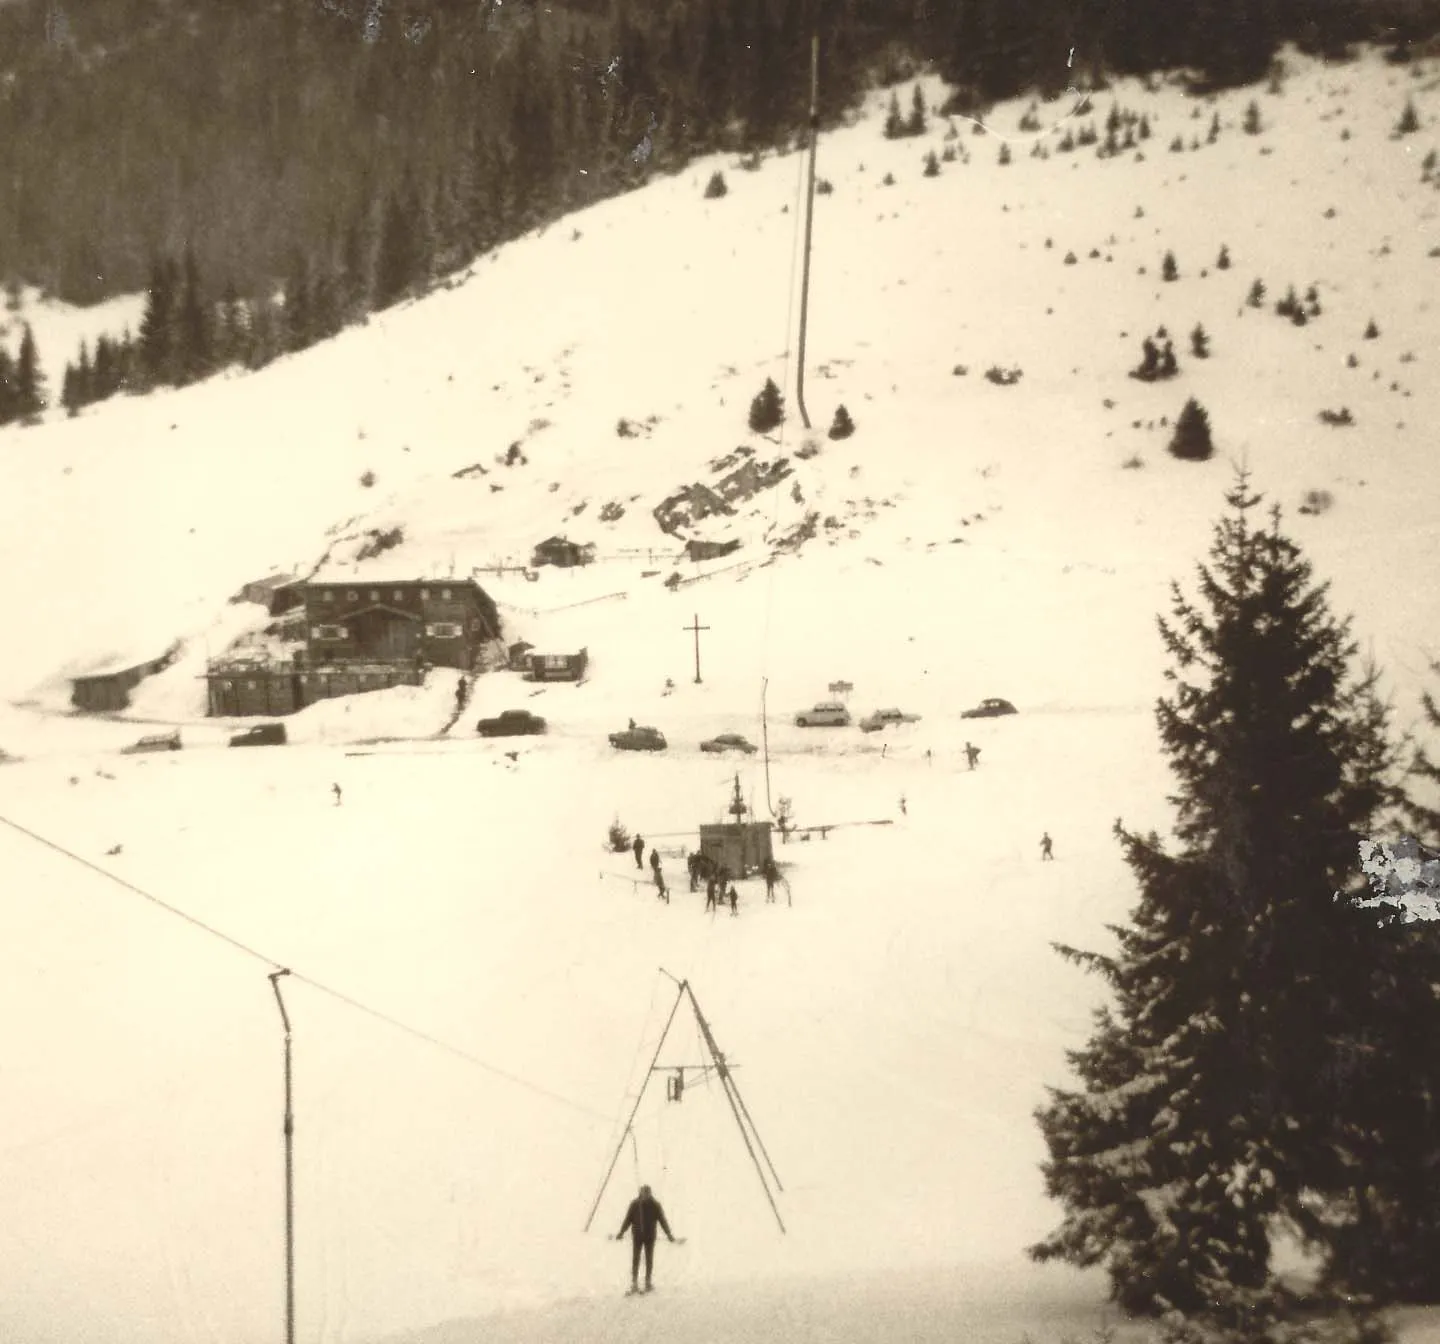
(445, 622)
(562, 552)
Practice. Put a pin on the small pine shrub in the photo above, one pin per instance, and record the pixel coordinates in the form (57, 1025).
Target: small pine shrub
(1214, 133)
(626, 429)
(1409, 121)
(1252, 124)
(716, 188)
(612, 511)
(842, 426)
(1133, 463)
(1004, 157)
(1200, 342)
(1168, 269)
(947, 155)
(618, 837)
(1371, 330)
(823, 186)
(915, 122)
(1317, 502)
(1004, 377)
(888, 180)
(932, 165)
(1177, 145)
(1337, 419)
(1191, 441)
(1222, 262)
(1070, 259)
(767, 410)
(1428, 165)
(367, 479)
(1030, 122)
(1257, 295)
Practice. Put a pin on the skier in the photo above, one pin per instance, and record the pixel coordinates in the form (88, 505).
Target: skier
(654, 859)
(771, 875)
(972, 754)
(733, 897)
(710, 896)
(661, 890)
(903, 812)
(1047, 847)
(335, 789)
(641, 1220)
(692, 865)
(638, 848)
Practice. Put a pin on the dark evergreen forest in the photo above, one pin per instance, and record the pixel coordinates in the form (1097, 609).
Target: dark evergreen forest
(344, 153)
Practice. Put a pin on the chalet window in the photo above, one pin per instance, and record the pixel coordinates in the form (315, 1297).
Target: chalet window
(424, 594)
(374, 596)
(397, 596)
(556, 660)
(251, 685)
(327, 595)
(228, 685)
(444, 594)
(443, 630)
(327, 632)
(352, 596)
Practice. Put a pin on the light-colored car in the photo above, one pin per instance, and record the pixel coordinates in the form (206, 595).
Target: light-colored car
(638, 739)
(885, 718)
(154, 742)
(826, 714)
(727, 742)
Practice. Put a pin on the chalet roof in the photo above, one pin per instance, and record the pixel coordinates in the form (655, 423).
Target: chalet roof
(380, 578)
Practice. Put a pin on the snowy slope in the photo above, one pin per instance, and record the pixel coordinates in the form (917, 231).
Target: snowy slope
(894, 1028)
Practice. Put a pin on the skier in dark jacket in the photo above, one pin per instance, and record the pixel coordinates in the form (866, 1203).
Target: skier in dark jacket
(641, 1220)
(638, 849)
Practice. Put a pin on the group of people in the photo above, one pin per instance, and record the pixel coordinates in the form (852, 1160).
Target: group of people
(719, 882)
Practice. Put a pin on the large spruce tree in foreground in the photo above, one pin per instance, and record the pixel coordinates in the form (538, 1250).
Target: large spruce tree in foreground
(1262, 1026)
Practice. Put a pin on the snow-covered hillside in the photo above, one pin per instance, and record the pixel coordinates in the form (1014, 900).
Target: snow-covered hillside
(894, 1028)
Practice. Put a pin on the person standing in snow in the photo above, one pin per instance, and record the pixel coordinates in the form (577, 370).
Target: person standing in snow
(710, 892)
(638, 849)
(335, 789)
(642, 1219)
(661, 890)
(972, 753)
(771, 874)
(654, 859)
(692, 865)
(1047, 847)
(733, 897)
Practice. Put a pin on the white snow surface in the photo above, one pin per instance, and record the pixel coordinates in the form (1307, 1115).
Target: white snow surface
(895, 1027)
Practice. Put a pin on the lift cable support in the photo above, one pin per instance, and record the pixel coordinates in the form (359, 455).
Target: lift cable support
(717, 1066)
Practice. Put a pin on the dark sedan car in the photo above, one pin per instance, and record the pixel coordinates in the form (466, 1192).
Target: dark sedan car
(512, 723)
(989, 709)
(727, 742)
(638, 739)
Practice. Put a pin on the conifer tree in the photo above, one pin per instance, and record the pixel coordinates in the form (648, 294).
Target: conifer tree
(1191, 440)
(767, 410)
(841, 426)
(1218, 1093)
(894, 122)
(8, 398)
(195, 353)
(29, 380)
(915, 122)
(157, 326)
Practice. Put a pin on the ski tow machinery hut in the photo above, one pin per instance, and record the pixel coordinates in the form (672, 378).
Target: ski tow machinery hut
(740, 846)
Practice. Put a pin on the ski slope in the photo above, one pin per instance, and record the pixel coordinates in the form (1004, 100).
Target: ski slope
(894, 1028)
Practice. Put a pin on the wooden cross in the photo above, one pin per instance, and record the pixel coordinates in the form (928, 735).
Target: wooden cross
(696, 627)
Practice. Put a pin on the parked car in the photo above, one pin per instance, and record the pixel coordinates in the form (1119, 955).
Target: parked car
(511, 723)
(885, 718)
(261, 735)
(638, 739)
(727, 742)
(989, 709)
(154, 742)
(826, 714)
